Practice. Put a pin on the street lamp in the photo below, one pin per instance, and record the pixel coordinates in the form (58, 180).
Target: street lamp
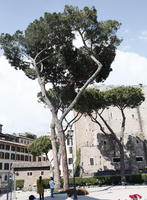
(70, 135)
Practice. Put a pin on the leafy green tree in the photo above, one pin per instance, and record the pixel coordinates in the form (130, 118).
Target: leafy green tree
(40, 146)
(45, 51)
(93, 103)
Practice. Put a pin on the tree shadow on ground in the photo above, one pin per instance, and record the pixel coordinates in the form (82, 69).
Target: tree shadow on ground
(64, 196)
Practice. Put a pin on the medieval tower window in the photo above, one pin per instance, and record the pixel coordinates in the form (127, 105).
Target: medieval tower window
(139, 158)
(91, 161)
(116, 159)
(70, 161)
(70, 149)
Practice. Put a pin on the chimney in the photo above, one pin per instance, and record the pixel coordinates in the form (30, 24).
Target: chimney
(1, 128)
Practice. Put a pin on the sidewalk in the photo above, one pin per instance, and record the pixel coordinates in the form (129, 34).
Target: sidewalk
(100, 193)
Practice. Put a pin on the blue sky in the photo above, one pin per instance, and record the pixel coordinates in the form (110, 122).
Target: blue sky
(16, 14)
(19, 108)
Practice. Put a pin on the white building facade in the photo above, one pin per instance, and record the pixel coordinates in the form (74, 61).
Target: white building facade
(13, 148)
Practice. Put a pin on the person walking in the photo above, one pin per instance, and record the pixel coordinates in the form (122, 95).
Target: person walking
(40, 188)
(52, 186)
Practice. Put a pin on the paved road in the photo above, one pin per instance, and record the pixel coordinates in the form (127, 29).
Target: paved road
(95, 193)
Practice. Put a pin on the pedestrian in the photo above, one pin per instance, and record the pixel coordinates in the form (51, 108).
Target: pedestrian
(40, 188)
(52, 186)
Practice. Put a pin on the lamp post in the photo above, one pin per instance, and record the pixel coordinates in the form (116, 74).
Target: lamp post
(70, 135)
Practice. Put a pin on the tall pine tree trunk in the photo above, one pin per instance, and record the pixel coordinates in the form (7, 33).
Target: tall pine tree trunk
(63, 155)
(55, 156)
(58, 125)
(122, 163)
(119, 142)
(121, 147)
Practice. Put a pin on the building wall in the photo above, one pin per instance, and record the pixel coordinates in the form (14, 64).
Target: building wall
(11, 151)
(31, 176)
(98, 152)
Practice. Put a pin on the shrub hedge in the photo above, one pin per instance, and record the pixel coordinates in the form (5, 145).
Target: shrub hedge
(144, 178)
(109, 180)
(98, 180)
(133, 179)
(19, 183)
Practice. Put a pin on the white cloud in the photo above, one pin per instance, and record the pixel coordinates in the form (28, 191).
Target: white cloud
(19, 109)
(128, 69)
(143, 36)
(126, 31)
(77, 42)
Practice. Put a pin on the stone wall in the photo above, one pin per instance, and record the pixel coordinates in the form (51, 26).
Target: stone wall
(99, 152)
(30, 177)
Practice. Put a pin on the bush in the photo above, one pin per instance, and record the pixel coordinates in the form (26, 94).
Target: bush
(83, 181)
(19, 183)
(108, 180)
(144, 178)
(100, 180)
(133, 179)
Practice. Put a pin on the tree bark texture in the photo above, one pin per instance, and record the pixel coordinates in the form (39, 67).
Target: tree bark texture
(122, 163)
(55, 157)
(63, 155)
